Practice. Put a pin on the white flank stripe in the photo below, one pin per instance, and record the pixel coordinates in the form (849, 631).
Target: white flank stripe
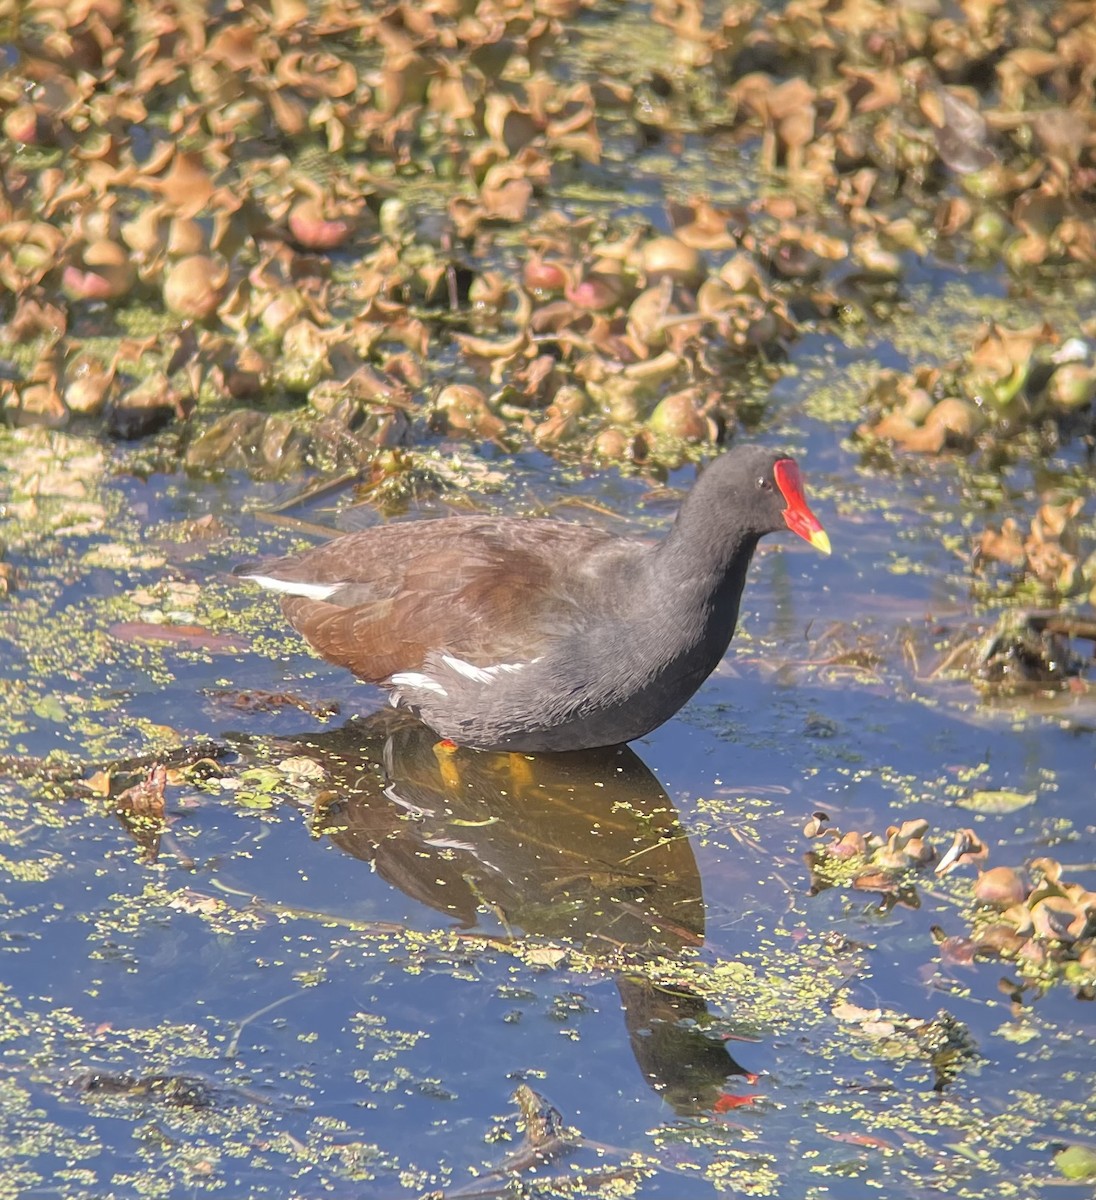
(290, 587)
(415, 679)
(480, 674)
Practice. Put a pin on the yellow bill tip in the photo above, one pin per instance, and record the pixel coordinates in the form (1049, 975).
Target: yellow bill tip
(819, 539)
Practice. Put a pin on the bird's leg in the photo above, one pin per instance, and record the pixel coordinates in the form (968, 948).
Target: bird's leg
(445, 752)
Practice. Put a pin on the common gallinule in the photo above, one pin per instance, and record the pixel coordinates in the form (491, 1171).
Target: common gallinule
(536, 634)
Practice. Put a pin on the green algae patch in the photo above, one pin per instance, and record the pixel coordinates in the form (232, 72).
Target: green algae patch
(861, 1125)
(1004, 800)
(1076, 1162)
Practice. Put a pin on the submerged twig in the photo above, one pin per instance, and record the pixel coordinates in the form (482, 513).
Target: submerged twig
(297, 524)
(583, 1182)
(234, 1043)
(320, 488)
(952, 657)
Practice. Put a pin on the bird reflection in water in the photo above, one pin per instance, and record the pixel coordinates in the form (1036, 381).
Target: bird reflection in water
(585, 846)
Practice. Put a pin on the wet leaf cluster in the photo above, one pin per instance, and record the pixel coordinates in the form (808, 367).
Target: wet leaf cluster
(1053, 561)
(1035, 918)
(983, 112)
(868, 861)
(317, 233)
(1011, 380)
(1042, 922)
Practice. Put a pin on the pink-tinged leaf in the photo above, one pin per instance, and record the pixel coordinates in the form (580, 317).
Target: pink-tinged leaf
(191, 637)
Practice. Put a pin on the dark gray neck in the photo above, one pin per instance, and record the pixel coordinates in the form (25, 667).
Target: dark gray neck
(699, 571)
(707, 538)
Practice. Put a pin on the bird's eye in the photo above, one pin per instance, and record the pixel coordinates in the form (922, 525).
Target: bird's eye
(765, 484)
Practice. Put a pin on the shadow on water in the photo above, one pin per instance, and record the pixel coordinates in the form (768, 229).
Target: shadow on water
(585, 846)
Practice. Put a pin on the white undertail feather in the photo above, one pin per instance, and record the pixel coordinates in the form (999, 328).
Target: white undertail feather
(480, 674)
(416, 679)
(291, 587)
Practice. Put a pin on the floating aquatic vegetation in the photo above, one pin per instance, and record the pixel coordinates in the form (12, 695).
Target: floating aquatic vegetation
(359, 172)
(869, 861)
(1037, 919)
(1010, 379)
(1053, 561)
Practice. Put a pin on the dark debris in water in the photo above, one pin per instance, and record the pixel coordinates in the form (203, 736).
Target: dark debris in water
(1025, 653)
(943, 1041)
(177, 1091)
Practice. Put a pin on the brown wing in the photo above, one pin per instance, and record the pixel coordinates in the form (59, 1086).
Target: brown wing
(484, 589)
